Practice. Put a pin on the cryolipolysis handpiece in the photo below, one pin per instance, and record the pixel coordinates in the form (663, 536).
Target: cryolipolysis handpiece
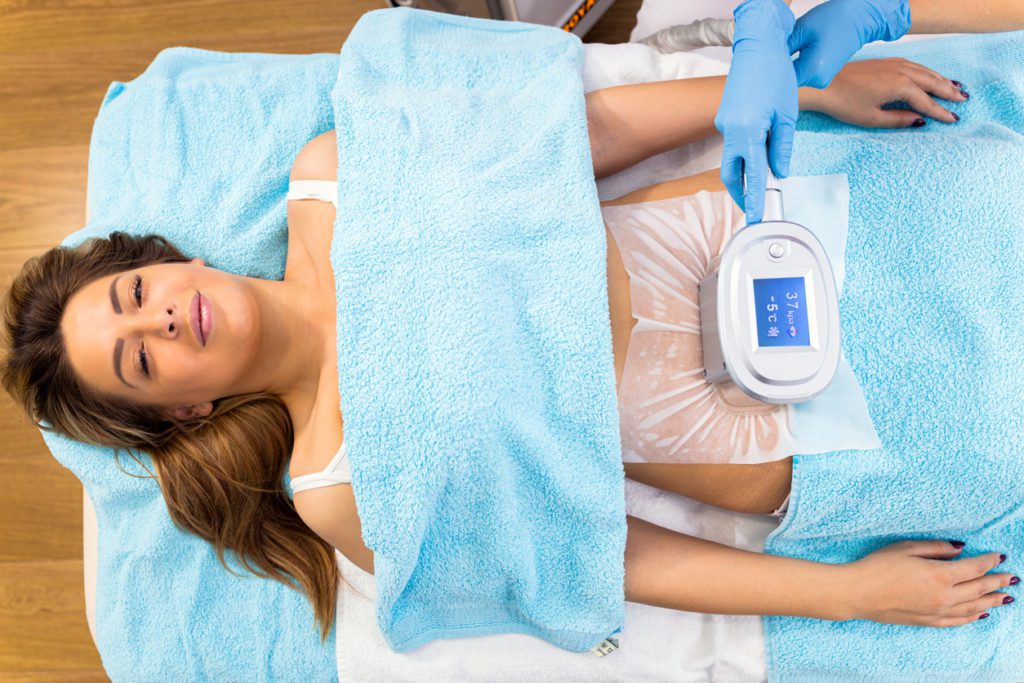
(769, 312)
(773, 209)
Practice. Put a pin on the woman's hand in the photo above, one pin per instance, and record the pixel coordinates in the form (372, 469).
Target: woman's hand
(860, 89)
(898, 584)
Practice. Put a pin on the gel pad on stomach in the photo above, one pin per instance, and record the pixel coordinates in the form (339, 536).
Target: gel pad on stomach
(931, 315)
(668, 412)
(197, 149)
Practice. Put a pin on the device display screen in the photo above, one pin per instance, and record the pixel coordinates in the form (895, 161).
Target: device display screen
(781, 311)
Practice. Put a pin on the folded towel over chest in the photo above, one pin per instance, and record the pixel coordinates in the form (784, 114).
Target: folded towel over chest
(475, 365)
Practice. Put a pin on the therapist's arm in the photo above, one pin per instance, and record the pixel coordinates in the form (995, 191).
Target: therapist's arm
(966, 16)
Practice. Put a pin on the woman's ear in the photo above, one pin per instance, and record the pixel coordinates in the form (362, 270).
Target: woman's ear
(192, 411)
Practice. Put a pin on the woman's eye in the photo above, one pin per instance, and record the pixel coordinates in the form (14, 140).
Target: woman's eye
(143, 363)
(137, 289)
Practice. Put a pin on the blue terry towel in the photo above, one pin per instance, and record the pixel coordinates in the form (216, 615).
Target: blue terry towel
(198, 148)
(475, 363)
(931, 318)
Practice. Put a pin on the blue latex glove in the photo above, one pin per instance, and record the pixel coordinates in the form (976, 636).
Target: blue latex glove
(831, 33)
(760, 96)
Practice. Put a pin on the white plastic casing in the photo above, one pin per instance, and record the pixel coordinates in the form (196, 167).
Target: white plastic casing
(780, 374)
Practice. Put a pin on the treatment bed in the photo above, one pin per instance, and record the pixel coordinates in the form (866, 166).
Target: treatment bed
(656, 644)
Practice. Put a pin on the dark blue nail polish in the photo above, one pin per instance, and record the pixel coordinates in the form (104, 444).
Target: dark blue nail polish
(957, 544)
(918, 123)
(1007, 600)
(1002, 558)
(1014, 580)
(984, 616)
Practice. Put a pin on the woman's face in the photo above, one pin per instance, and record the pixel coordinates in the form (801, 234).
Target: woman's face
(149, 352)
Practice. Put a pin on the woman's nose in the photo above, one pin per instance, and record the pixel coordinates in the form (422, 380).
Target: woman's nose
(164, 322)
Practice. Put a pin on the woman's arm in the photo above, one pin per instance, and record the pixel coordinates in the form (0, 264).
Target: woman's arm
(966, 16)
(667, 569)
(629, 123)
(920, 583)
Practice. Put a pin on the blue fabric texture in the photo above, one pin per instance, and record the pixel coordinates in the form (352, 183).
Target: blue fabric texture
(475, 363)
(931, 316)
(198, 148)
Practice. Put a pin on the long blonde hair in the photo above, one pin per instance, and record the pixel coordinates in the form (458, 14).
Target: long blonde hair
(221, 475)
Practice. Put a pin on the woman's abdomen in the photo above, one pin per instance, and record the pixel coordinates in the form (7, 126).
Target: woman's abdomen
(658, 252)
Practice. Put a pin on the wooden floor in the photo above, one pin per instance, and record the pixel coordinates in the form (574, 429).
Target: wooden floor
(56, 60)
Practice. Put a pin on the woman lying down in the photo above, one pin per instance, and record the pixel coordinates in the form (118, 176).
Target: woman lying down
(234, 384)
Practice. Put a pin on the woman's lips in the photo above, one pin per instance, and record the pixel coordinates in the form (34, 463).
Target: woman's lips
(201, 317)
(194, 318)
(205, 318)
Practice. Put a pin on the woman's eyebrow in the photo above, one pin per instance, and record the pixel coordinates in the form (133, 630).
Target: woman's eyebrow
(113, 295)
(118, 348)
(119, 345)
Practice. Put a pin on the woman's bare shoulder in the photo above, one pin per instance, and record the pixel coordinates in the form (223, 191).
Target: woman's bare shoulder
(318, 159)
(709, 181)
(311, 223)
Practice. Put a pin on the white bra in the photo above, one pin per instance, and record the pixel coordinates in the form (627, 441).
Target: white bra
(336, 472)
(324, 190)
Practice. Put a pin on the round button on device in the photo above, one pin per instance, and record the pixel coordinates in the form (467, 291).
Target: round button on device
(776, 250)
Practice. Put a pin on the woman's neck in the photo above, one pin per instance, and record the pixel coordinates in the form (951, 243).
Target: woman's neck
(292, 343)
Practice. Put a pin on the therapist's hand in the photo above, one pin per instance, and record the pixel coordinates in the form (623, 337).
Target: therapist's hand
(760, 96)
(829, 34)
